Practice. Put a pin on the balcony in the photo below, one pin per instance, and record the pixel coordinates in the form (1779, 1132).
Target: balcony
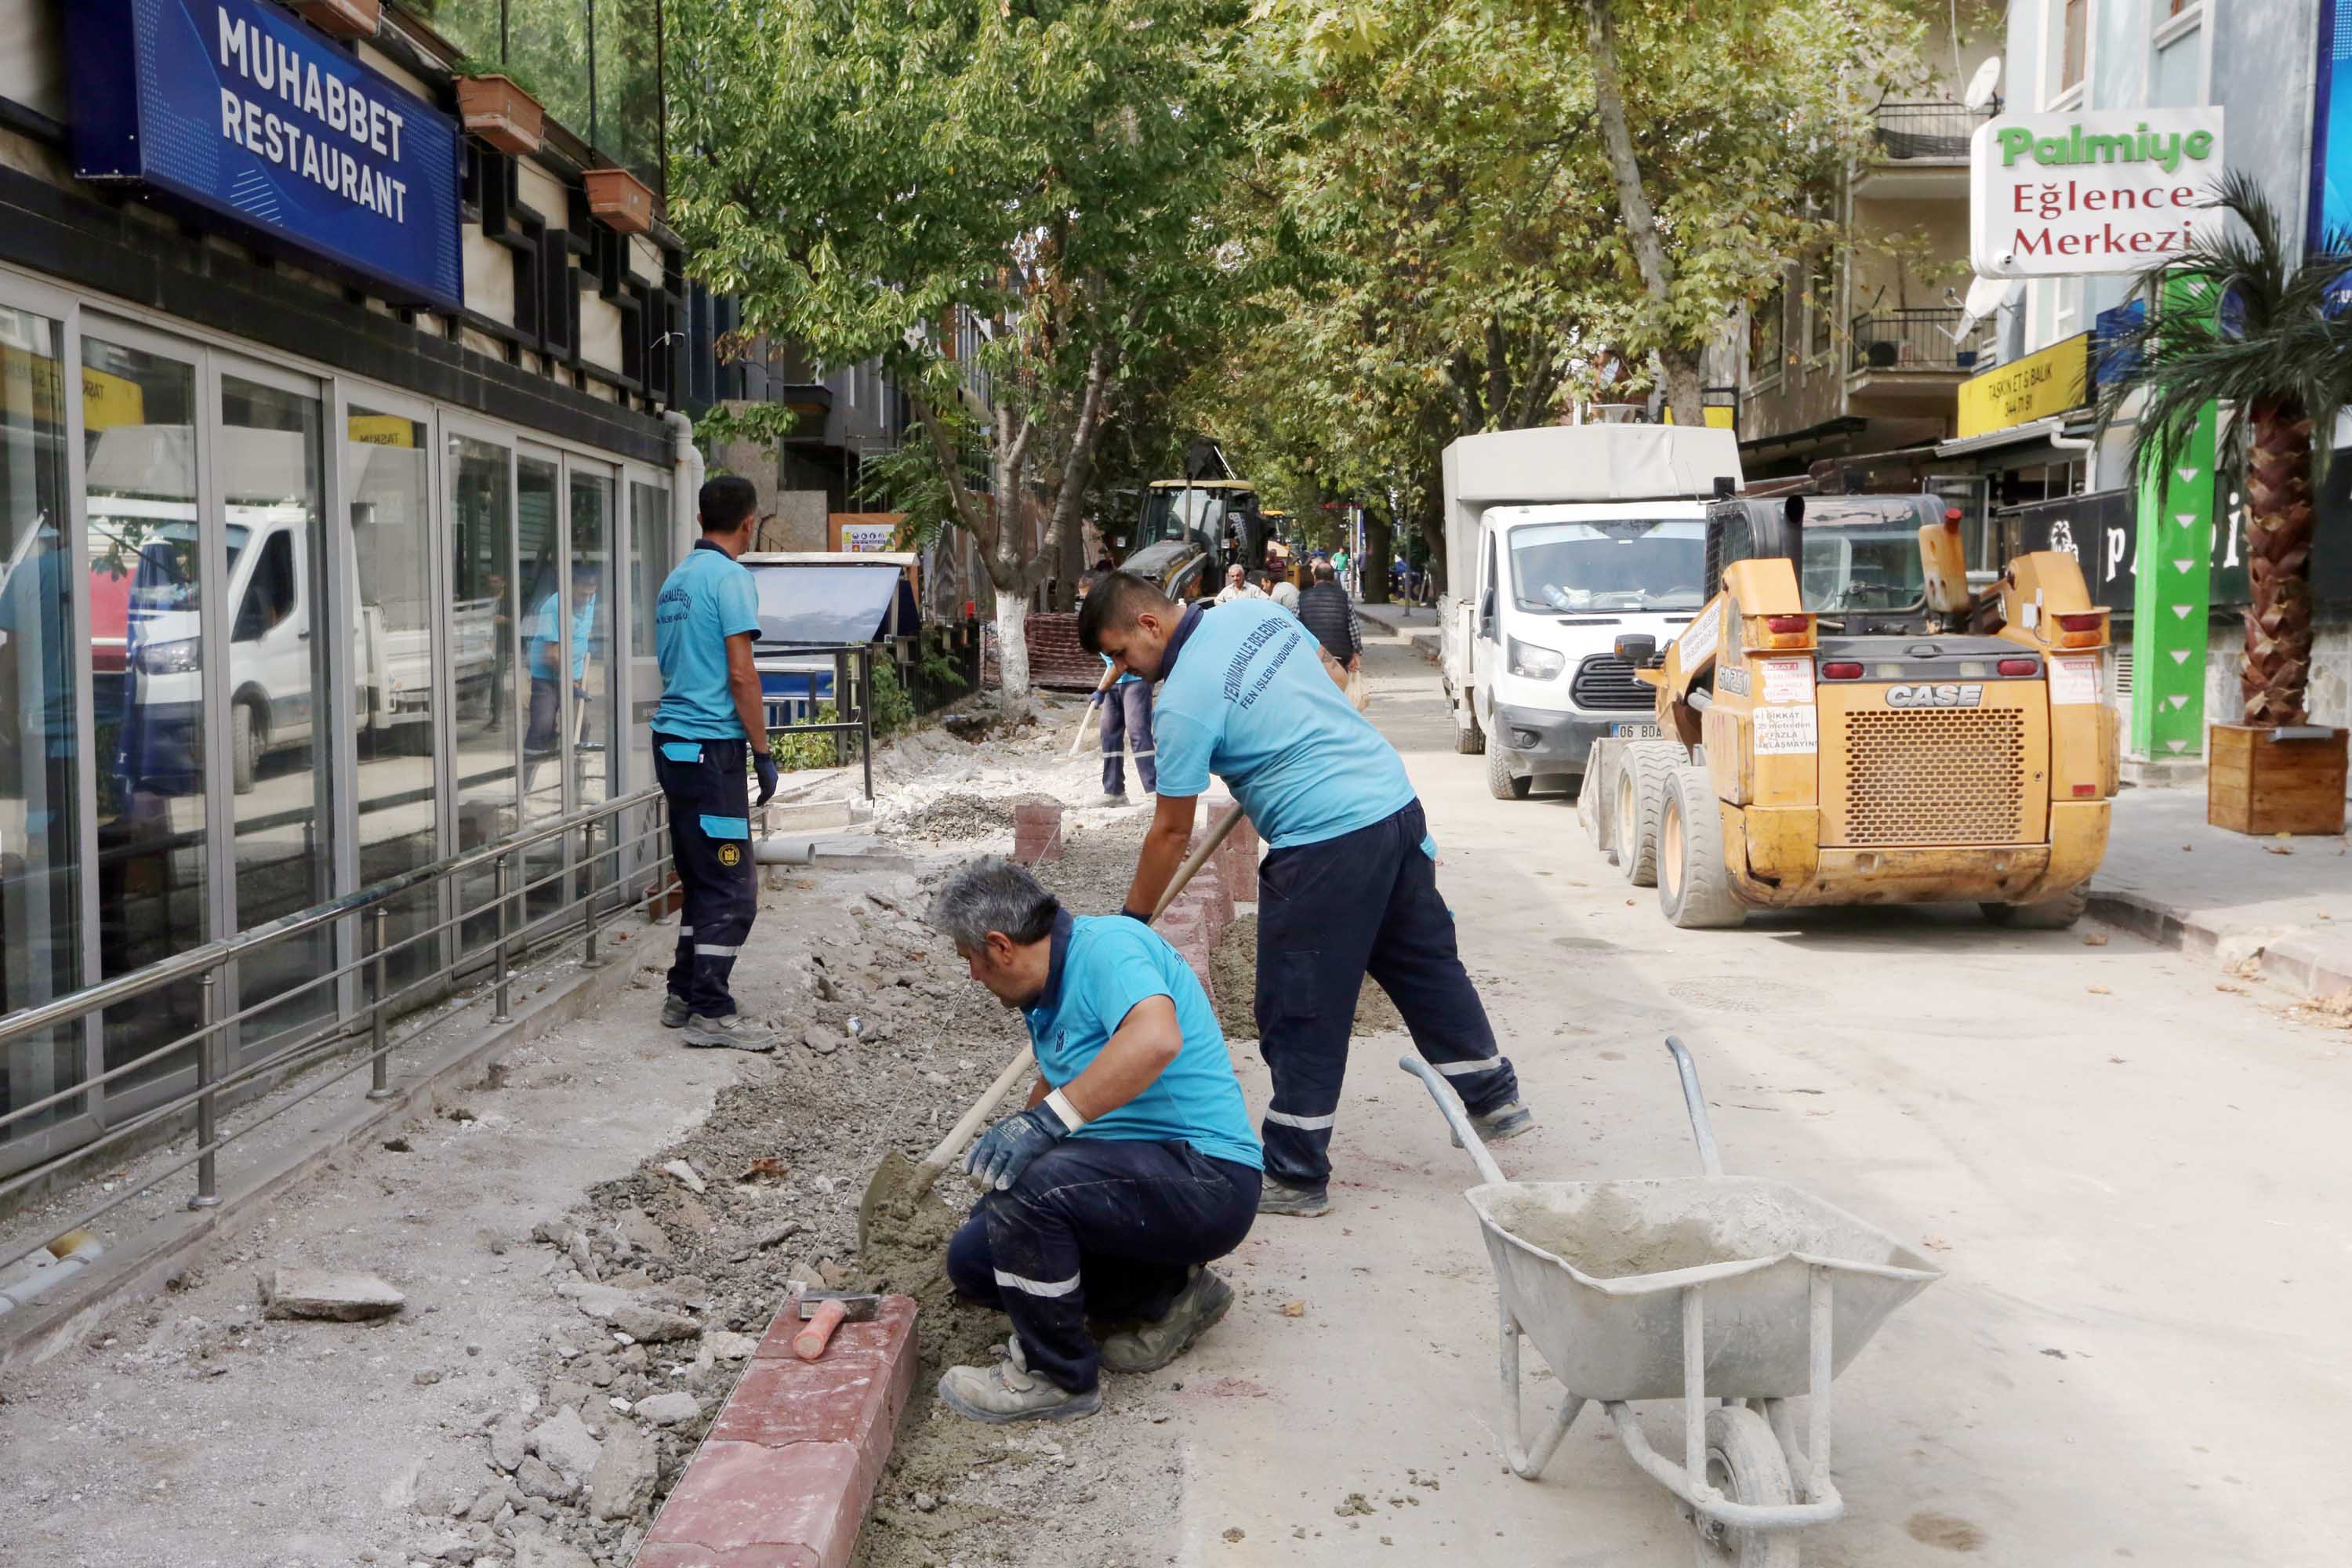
(1907, 357)
(1920, 150)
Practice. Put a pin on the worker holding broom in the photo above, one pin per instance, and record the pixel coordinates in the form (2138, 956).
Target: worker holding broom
(1133, 1167)
(1349, 886)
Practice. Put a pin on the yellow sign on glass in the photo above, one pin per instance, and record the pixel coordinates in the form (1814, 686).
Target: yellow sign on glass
(29, 384)
(380, 430)
(2050, 382)
(1719, 416)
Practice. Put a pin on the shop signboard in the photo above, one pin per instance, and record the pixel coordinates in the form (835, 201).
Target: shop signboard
(2101, 531)
(2065, 194)
(236, 108)
(2049, 381)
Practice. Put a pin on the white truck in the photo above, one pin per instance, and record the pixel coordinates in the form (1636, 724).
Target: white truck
(1559, 540)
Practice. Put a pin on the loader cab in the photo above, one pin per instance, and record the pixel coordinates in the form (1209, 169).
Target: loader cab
(1857, 557)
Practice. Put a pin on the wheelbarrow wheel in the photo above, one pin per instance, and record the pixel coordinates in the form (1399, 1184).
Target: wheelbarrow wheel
(1744, 1462)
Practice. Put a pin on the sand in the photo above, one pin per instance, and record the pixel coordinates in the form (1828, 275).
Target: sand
(1233, 970)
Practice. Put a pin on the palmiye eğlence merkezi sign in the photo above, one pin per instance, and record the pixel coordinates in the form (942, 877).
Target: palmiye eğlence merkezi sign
(2056, 196)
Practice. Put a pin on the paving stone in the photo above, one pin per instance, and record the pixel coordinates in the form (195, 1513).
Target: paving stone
(317, 1293)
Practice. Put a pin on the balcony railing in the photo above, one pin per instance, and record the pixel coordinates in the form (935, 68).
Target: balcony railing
(1919, 339)
(1927, 131)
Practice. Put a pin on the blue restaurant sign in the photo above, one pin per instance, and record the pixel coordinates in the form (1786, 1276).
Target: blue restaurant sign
(239, 108)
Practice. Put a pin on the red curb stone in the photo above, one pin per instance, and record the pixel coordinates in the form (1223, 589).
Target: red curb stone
(785, 1476)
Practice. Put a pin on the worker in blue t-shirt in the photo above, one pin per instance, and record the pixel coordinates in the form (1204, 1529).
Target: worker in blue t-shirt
(1126, 703)
(547, 653)
(705, 621)
(1132, 1169)
(1349, 886)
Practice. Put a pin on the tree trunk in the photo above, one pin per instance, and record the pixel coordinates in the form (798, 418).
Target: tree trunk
(1378, 553)
(1013, 650)
(2272, 675)
(1069, 567)
(1684, 387)
(1430, 517)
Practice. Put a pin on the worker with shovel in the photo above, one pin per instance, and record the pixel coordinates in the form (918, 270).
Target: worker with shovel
(1349, 886)
(1132, 1169)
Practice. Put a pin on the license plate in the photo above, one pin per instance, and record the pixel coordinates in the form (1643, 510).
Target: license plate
(1635, 731)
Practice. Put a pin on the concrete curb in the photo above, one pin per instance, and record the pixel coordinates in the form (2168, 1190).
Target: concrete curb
(139, 1266)
(785, 1475)
(2309, 968)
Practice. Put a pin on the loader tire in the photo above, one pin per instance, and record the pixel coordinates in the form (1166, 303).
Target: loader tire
(2049, 914)
(1744, 1462)
(1633, 806)
(1501, 782)
(1593, 798)
(1468, 739)
(1694, 885)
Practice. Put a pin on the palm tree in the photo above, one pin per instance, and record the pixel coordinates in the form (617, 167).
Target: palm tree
(2275, 343)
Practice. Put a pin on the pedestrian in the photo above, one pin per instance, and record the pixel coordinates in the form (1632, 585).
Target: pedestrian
(1270, 586)
(1329, 614)
(711, 714)
(1340, 561)
(1348, 887)
(1125, 699)
(1284, 593)
(1238, 586)
(1132, 1169)
(547, 655)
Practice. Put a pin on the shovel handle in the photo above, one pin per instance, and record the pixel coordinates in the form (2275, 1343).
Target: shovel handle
(1219, 831)
(937, 1160)
(810, 1342)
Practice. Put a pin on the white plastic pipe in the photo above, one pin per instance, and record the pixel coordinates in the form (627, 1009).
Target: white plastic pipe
(81, 1250)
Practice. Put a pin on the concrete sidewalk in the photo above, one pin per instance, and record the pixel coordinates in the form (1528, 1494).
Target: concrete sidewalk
(1418, 627)
(2286, 903)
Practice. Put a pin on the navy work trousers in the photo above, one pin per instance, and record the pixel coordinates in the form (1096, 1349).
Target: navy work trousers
(1127, 713)
(1329, 914)
(710, 835)
(1101, 1229)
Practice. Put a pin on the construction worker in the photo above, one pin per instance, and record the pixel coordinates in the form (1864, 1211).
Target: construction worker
(1349, 884)
(1132, 1169)
(1126, 703)
(705, 620)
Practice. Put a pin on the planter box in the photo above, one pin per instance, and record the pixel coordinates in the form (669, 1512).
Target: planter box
(342, 18)
(501, 113)
(620, 200)
(2257, 781)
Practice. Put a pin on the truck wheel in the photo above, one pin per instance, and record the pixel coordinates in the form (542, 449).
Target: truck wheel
(1500, 782)
(1468, 739)
(245, 746)
(2049, 914)
(1633, 806)
(1694, 885)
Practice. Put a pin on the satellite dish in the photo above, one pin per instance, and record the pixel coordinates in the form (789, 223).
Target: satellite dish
(1981, 85)
(1985, 296)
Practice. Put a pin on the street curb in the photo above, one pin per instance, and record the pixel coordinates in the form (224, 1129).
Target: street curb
(139, 1267)
(785, 1475)
(2290, 959)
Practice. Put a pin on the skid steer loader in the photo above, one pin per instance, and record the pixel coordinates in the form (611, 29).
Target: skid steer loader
(1845, 723)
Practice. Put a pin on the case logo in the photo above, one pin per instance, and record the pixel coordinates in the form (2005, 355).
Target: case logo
(1945, 694)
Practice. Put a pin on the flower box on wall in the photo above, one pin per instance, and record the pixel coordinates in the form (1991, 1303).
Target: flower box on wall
(623, 202)
(342, 18)
(501, 113)
(2276, 781)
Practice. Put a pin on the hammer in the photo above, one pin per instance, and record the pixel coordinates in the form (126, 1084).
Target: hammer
(826, 1311)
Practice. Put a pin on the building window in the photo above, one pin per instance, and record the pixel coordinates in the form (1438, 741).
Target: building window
(2176, 77)
(1765, 325)
(1821, 297)
(2073, 45)
(596, 64)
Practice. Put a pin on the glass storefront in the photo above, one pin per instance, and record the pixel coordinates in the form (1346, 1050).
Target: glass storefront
(249, 668)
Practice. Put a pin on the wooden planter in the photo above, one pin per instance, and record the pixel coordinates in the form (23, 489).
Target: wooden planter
(620, 200)
(342, 18)
(2267, 781)
(501, 113)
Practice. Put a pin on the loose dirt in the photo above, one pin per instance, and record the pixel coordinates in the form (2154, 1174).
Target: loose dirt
(1610, 1236)
(1233, 968)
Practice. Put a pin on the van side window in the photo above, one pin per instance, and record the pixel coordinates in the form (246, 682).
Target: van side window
(1490, 592)
(270, 597)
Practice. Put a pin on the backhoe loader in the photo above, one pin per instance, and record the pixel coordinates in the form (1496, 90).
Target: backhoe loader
(1846, 722)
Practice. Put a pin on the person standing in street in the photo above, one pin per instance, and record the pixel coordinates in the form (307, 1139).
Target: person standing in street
(1126, 703)
(1283, 592)
(1238, 586)
(1331, 617)
(710, 716)
(1348, 887)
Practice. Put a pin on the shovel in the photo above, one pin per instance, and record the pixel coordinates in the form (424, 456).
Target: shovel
(900, 1183)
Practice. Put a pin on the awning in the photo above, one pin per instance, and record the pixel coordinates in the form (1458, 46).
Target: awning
(2032, 430)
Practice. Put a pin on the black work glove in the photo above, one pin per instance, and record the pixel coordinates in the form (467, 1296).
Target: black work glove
(765, 766)
(1005, 1149)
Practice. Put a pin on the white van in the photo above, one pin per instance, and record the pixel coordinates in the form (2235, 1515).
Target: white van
(1558, 541)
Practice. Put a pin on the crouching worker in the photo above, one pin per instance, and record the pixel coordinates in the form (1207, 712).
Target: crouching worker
(1134, 1166)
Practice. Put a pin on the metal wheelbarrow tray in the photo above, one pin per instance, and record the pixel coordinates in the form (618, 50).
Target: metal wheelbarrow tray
(1737, 1288)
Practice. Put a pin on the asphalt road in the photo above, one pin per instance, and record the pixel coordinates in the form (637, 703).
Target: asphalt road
(2132, 1177)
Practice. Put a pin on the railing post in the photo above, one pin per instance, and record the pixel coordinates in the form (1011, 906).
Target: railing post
(588, 958)
(655, 861)
(865, 714)
(499, 893)
(379, 1083)
(207, 1111)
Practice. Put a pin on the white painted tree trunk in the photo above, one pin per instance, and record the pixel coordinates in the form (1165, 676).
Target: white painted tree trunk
(1013, 650)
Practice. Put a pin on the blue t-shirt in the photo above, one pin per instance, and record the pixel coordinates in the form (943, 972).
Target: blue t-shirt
(710, 598)
(1248, 700)
(1104, 965)
(545, 635)
(1123, 679)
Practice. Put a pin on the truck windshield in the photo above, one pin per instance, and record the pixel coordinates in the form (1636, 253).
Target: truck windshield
(1865, 568)
(1643, 564)
(1198, 515)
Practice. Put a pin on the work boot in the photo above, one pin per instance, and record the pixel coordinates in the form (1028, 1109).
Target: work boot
(1148, 1347)
(1507, 1120)
(732, 1033)
(1299, 1203)
(1010, 1391)
(1112, 800)
(675, 1011)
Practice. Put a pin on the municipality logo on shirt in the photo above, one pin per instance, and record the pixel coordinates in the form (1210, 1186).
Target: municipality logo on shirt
(1266, 633)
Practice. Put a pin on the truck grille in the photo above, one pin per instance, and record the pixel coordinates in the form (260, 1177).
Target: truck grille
(1605, 682)
(1934, 776)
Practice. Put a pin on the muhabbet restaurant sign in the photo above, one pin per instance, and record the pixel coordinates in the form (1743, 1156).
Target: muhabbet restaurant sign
(2060, 195)
(236, 108)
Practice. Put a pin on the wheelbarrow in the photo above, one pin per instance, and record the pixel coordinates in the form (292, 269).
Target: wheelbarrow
(1619, 1285)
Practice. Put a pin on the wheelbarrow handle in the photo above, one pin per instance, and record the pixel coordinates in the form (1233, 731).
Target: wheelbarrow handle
(1695, 1100)
(1457, 1116)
